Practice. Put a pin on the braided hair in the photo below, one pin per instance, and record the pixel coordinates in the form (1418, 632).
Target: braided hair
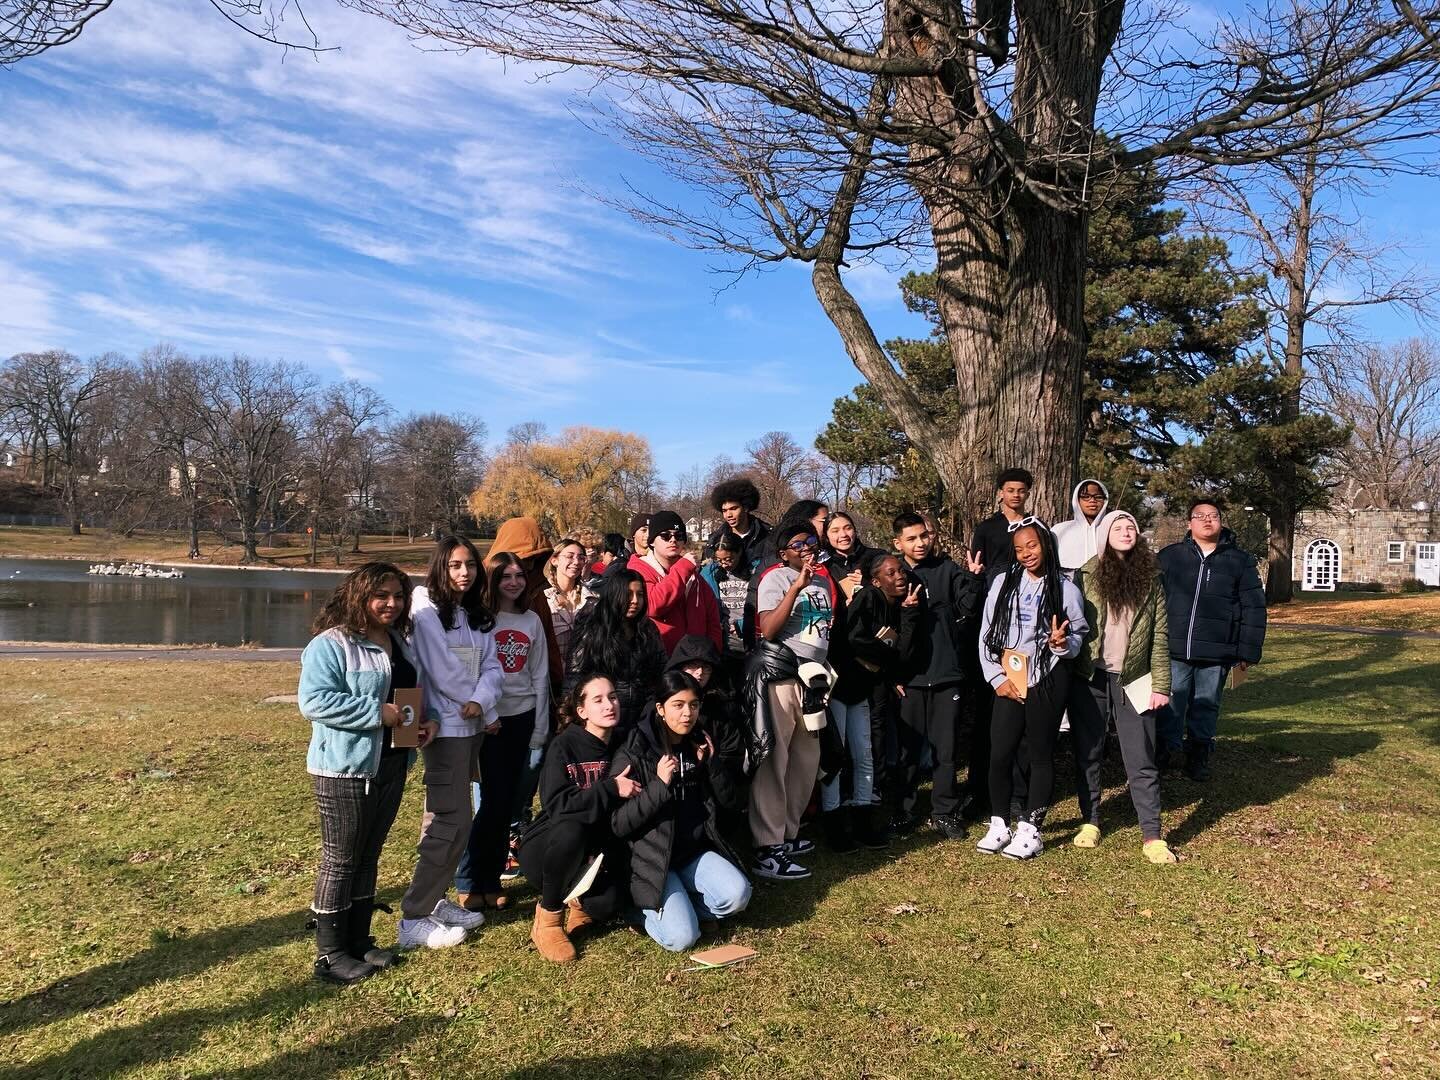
(1052, 599)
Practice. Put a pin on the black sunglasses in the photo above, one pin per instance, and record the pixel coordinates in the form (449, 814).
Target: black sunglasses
(671, 534)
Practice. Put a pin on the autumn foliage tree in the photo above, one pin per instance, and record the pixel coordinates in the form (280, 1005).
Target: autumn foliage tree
(581, 477)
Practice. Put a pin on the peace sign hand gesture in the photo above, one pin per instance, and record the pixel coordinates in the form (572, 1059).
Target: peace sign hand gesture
(912, 596)
(974, 563)
(1058, 633)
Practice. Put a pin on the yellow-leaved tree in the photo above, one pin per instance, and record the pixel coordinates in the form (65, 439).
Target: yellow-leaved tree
(584, 476)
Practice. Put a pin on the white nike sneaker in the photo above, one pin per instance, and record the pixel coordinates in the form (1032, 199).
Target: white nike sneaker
(996, 838)
(1026, 843)
(430, 933)
(454, 915)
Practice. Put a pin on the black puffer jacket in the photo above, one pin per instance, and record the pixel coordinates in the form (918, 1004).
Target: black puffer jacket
(1215, 603)
(720, 718)
(647, 822)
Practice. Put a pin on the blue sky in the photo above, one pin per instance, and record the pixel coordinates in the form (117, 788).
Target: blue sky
(412, 219)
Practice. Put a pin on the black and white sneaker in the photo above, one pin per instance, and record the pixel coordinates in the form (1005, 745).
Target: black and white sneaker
(773, 864)
(798, 846)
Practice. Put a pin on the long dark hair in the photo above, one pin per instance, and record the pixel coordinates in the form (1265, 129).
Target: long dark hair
(442, 593)
(495, 567)
(570, 706)
(1052, 600)
(1125, 581)
(673, 681)
(346, 606)
(604, 639)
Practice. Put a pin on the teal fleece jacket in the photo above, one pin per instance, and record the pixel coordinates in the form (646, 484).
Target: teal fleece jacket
(343, 682)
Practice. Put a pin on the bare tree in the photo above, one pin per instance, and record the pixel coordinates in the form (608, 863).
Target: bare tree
(827, 133)
(31, 27)
(55, 395)
(1291, 221)
(245, 413)
(432, 464)
(782, 469)
(339, 449)
(1391, 397)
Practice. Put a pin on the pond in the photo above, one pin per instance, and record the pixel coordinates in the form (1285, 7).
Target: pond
(56, 600)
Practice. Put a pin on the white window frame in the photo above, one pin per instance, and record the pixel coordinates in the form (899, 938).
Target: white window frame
(1391, 554)
(1309, 574)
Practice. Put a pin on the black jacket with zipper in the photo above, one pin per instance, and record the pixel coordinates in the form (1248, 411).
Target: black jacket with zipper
(1215, 603)
(647, 822)
(951, 599)
(871, 660)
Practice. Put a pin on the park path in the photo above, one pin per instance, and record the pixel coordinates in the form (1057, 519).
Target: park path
(40, 651)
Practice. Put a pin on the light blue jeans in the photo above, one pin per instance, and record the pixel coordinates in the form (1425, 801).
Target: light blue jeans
(709, 888)
(852, 722)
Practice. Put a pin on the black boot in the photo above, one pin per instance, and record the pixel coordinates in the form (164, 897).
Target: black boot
(836, 824)
(872, 827)
(1197, 759)
(332, 962)
(360, 944)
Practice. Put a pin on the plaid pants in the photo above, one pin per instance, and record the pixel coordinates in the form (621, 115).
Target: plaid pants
(353, 825)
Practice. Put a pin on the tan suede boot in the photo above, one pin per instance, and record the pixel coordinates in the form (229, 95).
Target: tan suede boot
(549, 936)
(575, 918)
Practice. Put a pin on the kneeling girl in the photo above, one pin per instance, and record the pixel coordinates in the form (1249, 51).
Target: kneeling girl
(682, 871)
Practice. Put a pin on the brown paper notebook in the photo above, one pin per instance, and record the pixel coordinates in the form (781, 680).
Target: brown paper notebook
(411, 705)
(1017, 670)
(1237, 677)
(722, 956)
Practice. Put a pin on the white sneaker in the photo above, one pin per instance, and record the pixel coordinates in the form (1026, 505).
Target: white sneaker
(1025, 845)
(430, 933)
(449, 914)
(996, 838)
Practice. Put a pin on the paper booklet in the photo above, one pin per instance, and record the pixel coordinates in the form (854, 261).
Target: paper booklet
(469, 659)
(411, 706)
(720, 956)
(586, 879)
(1237, 676)
(1138, 693)
(1017, 669)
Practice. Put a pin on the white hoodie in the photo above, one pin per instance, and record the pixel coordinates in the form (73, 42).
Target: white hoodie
(444, 678)
(1078, 540)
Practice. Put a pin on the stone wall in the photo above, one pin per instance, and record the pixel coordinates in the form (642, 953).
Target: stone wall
(1363, 537)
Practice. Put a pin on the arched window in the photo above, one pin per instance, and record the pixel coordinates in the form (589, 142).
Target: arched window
(1322, 566)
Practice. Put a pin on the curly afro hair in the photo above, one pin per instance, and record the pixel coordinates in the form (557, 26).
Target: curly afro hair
(737, 489)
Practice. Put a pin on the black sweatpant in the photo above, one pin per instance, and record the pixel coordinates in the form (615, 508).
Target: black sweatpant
(928, 717)
(1036, 720)
(355, 818)
(553, 860)
(503, 756)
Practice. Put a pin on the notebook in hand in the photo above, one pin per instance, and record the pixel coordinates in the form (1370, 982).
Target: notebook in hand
(407, 731)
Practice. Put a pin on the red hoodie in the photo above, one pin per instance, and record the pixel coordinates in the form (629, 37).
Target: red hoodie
(680, 602)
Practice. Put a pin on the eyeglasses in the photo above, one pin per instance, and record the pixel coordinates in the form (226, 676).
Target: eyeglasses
(1204, 517)
(804, 545)
(669, 535)
(1025, 522)
(1089, 496)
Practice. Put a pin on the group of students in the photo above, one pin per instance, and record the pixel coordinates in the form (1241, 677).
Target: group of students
(677, 714)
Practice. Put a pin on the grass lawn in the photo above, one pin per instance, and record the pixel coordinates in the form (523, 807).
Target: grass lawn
(161, 842)
(54, 542)
(1388, 611)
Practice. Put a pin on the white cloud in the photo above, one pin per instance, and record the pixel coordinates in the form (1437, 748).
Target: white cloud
(342, 359)
(26, 312)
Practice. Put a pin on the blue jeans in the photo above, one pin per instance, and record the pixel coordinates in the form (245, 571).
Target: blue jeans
(709, 888)
(1194, 707)
(852, 722)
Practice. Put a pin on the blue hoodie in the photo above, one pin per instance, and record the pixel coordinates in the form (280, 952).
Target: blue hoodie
(344, 680)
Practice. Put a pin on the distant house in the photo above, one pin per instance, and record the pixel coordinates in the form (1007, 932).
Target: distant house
(1367, 546)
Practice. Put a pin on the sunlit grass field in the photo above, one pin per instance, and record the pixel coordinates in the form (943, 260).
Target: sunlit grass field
(160, 842)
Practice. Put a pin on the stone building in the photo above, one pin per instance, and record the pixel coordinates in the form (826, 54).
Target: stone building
(1385, 546)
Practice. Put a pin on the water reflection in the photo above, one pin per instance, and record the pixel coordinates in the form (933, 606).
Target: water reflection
(55, 600)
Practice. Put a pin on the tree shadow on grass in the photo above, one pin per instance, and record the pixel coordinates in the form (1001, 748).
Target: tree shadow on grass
(656, 1062)
(170, 958)
(171, 1034)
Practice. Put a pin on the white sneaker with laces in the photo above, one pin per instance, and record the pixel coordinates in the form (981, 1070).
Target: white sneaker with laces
(1026, 843)
(996, 838)
(429, 933)
(451, 914)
